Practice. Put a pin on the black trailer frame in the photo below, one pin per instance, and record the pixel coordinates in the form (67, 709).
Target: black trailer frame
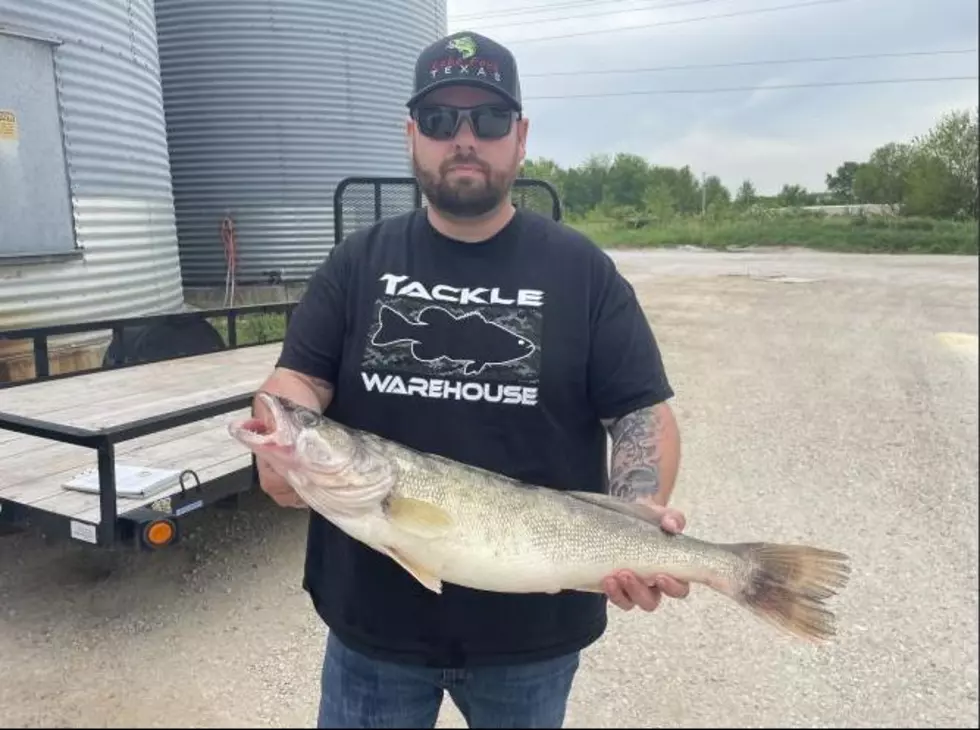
(382, 197)
(132, 526)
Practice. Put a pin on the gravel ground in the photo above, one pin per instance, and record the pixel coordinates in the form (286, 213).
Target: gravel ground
(826, 398)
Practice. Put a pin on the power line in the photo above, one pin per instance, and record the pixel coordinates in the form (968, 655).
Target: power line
(589, 72)
(542, 8)
(757, 11)
(601, 13)
(654, 92)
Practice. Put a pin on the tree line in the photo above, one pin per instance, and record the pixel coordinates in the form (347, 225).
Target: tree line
(933, 175)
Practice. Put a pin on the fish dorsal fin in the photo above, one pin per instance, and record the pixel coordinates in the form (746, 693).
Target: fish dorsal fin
(419, 518)
(606, 501)
(436, 316)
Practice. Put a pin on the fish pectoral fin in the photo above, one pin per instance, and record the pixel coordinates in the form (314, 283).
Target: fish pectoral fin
(422, 519)
(424, 350)
(633, 509)
(420, 574)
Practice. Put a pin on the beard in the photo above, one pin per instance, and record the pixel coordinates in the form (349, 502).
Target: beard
(465, 197)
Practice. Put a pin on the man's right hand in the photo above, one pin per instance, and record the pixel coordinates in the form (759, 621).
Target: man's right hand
(276, 486)
(306, 391)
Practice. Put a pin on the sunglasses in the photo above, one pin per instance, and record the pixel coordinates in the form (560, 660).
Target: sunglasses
(488, 121)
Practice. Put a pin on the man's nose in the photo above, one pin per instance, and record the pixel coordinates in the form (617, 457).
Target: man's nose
(465, 133)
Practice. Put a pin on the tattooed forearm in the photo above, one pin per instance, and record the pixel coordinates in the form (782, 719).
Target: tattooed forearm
(644, 458)
(636, 455)
(306, 390)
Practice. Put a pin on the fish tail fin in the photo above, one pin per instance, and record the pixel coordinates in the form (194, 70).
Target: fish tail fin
(787, 585)
(393, 327)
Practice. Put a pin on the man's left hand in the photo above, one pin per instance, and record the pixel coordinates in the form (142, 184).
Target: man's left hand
(627, 590)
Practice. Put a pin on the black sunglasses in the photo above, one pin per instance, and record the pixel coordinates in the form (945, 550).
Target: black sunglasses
(488, 121)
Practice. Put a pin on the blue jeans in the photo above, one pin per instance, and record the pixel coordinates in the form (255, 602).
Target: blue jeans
(360, 692)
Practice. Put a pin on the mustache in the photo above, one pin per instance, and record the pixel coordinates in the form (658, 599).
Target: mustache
(464, 160)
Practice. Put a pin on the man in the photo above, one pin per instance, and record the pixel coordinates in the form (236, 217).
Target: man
(496, 337)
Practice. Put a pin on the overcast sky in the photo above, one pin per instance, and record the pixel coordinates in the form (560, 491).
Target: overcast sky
(775, 136)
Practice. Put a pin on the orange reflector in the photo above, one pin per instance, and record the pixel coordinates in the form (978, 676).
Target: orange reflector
(159, 533)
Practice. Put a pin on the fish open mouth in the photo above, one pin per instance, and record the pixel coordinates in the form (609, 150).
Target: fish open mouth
(276, 440)
(256, 427)
(261, 438)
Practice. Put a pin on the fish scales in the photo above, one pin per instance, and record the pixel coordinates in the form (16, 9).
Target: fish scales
(550, 531)
(446, 521)
(560, 534)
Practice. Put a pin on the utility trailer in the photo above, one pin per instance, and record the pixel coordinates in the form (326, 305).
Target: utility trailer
(162, 398)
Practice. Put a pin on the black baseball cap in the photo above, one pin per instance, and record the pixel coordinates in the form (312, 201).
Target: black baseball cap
(471, 59)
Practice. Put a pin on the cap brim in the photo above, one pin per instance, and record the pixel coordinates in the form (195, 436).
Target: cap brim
(464, 82)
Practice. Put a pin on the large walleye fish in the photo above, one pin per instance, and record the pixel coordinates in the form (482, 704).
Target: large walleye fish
(446, 521)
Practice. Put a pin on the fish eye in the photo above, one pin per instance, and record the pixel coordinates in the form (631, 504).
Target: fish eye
(306, 417)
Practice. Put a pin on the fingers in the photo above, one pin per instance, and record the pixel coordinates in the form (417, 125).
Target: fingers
(673, 587)
(291, 500)
(288, 499)
(267, 472)
(673, 521)
(627, 592)
(614, 591)
(285, 497)
(278, 489)
(643, 596)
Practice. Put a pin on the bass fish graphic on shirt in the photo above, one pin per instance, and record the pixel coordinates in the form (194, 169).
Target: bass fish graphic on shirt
(470, 340)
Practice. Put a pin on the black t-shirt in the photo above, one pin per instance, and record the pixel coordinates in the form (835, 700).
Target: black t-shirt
(503, 354)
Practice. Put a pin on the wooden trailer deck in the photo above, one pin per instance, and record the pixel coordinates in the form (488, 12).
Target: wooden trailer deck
(33, 469)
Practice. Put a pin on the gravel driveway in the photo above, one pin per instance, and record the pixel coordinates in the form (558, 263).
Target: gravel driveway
(822, 397)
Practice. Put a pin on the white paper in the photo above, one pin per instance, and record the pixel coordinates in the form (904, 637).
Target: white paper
(131, 480)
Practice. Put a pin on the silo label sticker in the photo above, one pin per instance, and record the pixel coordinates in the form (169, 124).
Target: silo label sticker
(8, 125)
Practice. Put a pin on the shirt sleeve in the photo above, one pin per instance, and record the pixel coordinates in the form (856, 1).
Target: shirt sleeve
(626, 370)
(314, 339)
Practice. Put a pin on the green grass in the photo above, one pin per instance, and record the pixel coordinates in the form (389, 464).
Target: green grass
(830, 233)
(253, 328)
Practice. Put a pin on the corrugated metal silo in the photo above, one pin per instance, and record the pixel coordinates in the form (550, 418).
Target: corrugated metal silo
(87, 226)
(268, 106)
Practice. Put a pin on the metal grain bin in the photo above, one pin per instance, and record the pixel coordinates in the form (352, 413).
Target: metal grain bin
(87, 226)
(268, 106)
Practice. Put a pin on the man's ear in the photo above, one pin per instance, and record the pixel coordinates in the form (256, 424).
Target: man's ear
(522, 127)
(410, 135)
